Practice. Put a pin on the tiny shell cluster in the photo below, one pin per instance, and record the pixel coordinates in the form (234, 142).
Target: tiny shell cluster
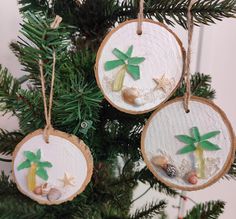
(45, 190)
(185, 171)
(138, 97)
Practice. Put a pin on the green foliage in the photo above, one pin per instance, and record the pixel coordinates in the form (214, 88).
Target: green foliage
(150, 210)
(128, 64)
(42, 173)
(9, 87)
(39, 41)
(208, 146)
(199, 140)
(9, 140)
(25, 164)
(34, 158)
(196, 134)
(207, 210)
(232, 171)
(187, 149)
(95, 17)
(73, 69)
(145, 176)
(185, 138)
(209, 135)
(200, 86)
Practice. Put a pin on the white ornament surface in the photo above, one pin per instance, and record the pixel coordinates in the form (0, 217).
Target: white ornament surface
(65, 158)
(162, 53)
(171, 120)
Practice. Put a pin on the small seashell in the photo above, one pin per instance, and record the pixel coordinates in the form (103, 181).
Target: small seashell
(45, 189)
(130, 94)
(159, 160)
(170, 170)
(139, 101)
(38, 190)
(192, 173)
(192, 177)
(53, 194)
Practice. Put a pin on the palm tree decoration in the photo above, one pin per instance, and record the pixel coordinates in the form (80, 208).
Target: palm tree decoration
(198, 143)
(128, 64)
(36, 166)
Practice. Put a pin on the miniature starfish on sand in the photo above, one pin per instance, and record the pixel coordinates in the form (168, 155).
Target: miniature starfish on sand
(67, 180)
(162, 83)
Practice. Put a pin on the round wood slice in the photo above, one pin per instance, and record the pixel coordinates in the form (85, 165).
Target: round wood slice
(160, 138)
(164, 59)
(69, 157)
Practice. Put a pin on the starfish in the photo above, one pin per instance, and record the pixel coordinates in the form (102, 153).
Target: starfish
(67, 180)
(162, 83)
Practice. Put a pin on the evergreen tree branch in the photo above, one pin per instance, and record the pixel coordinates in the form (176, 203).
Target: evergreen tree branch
(9, 140)
(207, 210)
(94, 18)
(200, 86)
(5, 160)
(38, 41)
(150, 210)
(232, 171)
(145, 176)
(9, 88)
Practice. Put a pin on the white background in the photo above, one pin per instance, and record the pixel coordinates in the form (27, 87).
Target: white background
(214, 55)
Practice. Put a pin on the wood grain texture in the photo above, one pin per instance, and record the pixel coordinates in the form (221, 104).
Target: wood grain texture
(163, 53)
(170, 120)
(73, 147)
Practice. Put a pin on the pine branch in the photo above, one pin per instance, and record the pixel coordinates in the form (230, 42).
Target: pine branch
(232, 171)
(150, 210)
(74, 83)
(204, 11)
(77, 97)
(145, 176)
(94, 18)
(41, 5)
(9, 87)
(29, 110)
(200, 86)
(9, 140)
(39, 41)
(207, 210)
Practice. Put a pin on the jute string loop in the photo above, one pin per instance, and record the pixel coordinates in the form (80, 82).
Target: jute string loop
(48, 109)
(190, 26)
(140, 17)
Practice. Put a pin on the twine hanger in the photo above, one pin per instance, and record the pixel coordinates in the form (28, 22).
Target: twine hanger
(140, 17)
(190, 25)
(48, 109)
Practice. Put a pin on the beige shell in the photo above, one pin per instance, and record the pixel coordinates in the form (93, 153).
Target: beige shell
(192, 179)
(45, 189)
(139, 101)
(159, 160)
(130, 94)
(53, 194)
(38, 190)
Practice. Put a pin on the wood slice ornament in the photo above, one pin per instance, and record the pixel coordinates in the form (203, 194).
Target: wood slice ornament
(137, 73)
(50, 166)
(188, 151)
(55, 172)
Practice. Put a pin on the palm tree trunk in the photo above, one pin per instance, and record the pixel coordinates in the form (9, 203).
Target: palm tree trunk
(200, 162)
(119, 80)
(31, 177)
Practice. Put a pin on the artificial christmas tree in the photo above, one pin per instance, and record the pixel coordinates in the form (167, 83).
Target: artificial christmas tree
(80, 109)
